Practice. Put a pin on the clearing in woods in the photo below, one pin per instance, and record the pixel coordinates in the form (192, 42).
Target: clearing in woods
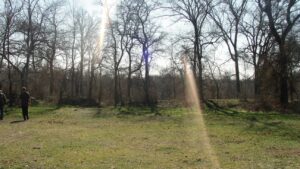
(71, 137)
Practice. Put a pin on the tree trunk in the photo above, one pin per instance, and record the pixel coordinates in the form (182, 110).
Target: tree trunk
(116, 99)
(52, 58)
(256, 82)
(120, 90)
(1, 63)
(129, 80)
(100, 88)
(81, 70)
(200, 81)
(291, 89)
(146, 84)
(62, 88)
(284, 95)
(10, 83)
(174, 86)
(129, 86)
(198, 57)
(91, 83)
(73, 62)
(72, 77)
(237, 76)
(51, 87)
(130, 72)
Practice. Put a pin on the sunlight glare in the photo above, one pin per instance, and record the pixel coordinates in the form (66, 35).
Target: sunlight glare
(193, 99)
(108, 7)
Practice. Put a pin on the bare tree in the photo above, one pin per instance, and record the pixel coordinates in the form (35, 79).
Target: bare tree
(31, 29)
(116, 38)
(127, 27)
(282, 17)
(11, 11)
(73, 31)
(94, 52)
(196, 13)
(86, 25)
(53, 21)
(228, 20)
(259, 43)
(293, 48)
(214, 71)
(148, 36)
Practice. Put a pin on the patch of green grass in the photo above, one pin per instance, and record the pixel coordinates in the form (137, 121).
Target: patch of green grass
(137, 137)
(255, 139)
(36, 110)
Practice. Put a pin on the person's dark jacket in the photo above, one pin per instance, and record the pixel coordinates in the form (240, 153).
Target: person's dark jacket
(2, 99)
(25, 97)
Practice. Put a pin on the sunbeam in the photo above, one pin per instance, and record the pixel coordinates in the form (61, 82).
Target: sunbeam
(108, 7)
(193, 99)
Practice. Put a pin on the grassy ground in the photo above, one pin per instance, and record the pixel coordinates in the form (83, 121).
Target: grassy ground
(120, 138)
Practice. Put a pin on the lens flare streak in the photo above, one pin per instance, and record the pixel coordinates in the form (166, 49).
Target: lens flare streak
(193, 99)
(103, 27)
(105, 21)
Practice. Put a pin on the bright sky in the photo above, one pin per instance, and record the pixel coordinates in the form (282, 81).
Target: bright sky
(90, 6)
(221, 53)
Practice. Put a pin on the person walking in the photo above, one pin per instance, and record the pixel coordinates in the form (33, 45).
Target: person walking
(2, 103)
(25, 100)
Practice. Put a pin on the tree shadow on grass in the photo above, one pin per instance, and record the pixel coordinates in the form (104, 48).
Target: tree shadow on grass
(138, 114)
(278, 128)
(33, 110)
(249, 115)
(268, 123)
(216, 108)
(43, 110)
(125, 111)
(101, 113)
